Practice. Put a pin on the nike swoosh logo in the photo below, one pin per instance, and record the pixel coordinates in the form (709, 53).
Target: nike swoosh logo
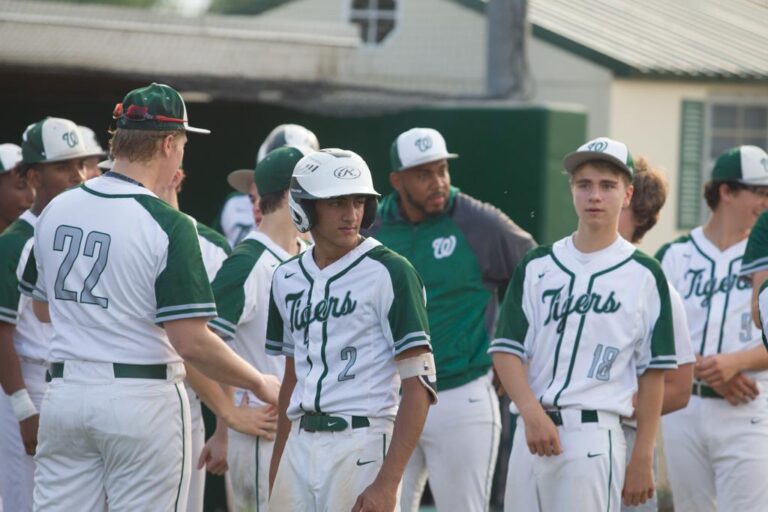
(541, 275)
(289, 275)
(474, 400)
(755, 421)
(593, 455)
(363, 463)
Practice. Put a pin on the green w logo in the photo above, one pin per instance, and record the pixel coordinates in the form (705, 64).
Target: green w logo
(71, 138)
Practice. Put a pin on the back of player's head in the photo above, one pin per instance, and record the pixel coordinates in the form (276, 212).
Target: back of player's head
(287, 135)
(273, 176)
(648, 198)
(326, 174)
(418, 146)
(602, 153)
(146, 116)
(739, 168)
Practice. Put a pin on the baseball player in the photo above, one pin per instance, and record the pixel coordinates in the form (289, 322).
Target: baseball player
(717, 449)
(648, 197)
(585, 324)
(52, 162)
(349, 317)
(97, 153)
(16, 194)
(241, 209)
(445, 233)
(241, 289)
(128, 297)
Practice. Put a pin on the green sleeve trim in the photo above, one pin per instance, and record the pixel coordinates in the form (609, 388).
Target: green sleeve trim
(214, 237)
(182, 289)
(505, 345)
(12, 244)
(407, 314)
(229, 284)
(664, 248)
(276, 344)
(662, 338)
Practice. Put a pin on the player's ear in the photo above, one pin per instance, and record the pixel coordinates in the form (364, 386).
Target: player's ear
(32, 175)
(628, 195)
(394, 180)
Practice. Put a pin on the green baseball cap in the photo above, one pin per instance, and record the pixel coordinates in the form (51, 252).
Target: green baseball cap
(52, 139)
(10, 156)
(273, 172)
(744, 164)
(604, 149)
(154, 107)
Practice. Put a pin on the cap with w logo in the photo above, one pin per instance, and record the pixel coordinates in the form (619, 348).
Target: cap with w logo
(154, 107)
(418, 146)
(745, 164)
(10, 155)
(52, 140)
(602, 149)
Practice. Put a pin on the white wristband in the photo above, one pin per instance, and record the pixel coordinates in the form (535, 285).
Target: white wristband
(22, 405)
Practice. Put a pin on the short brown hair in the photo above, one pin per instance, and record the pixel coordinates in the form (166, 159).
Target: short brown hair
(649, 197)
(269, 203)
(712, 191)
(138, 145)
(604, 165)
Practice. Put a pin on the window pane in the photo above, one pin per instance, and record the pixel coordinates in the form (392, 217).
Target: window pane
(360, 4)
(725, 116)
(383, 28)
(755, 118)
(720, 144)
(386, 5)
(363, 24)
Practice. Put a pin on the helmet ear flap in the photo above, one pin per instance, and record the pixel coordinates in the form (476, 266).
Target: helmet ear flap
(369, 212)
(302, 214)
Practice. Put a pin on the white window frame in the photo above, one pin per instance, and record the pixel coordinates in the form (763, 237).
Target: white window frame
(373, 15)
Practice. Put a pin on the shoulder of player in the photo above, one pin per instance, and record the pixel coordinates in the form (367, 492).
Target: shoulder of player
(396, 265)
(675, 245)
(212, 236)
(534, 254)
(482, 214)
(653, 267)
(15, 237)
(166, 216)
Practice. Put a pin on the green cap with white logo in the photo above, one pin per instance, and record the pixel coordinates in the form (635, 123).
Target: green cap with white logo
(744, 164)
(154, 107)
(273, 173)
(602, 149)
(10, 156)
(52, 140)
(418, 146)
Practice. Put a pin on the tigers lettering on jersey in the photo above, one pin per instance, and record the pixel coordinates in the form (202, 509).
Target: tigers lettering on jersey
(559, 310)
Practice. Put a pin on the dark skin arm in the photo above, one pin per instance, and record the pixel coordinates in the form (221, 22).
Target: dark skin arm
(12, 381)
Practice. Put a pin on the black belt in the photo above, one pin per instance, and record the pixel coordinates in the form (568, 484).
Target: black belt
(328, 423)
(704, 391)
(587, 416)
(121, 371)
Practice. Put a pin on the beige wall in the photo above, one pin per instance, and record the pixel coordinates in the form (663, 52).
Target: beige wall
(437, 46)
(646, 115)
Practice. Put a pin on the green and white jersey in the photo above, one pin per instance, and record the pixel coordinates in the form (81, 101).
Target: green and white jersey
(717, 300)
(114, 262)
(31, 336)
(213, 247)
(762, 304)
(756, 253)
(344, 325)
(236, 219)
(587, 324)
(241, 289)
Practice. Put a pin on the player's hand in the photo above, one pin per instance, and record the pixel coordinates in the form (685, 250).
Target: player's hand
(377, 497)
(268, 389)
(497, 384)
(28, 429)
(717, 369)
(214, 454)
(541, 434)
(638, 483)
(254, 421)
(739, 390)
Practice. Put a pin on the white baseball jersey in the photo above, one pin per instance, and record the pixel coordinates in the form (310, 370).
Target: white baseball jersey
(214, 248)
(587, 324)
(111, 280)
(31, 336)
(241, 290)
(237, 218)
(717, 301)
(344, 325)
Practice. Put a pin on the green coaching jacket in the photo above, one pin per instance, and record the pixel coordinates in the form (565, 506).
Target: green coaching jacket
(466, 257)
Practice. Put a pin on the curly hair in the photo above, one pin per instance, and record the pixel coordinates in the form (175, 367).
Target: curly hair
(649, 197)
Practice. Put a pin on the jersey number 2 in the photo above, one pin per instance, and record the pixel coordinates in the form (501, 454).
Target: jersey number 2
(351, 354)
(75, 236)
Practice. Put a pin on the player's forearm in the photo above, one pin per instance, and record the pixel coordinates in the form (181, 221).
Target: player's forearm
(512, 374)
(677, 388)
(211, 393)
(283, 423)
(10, 368)
(650, 396)
(409, 422)
(758, 278)
(753, 359)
